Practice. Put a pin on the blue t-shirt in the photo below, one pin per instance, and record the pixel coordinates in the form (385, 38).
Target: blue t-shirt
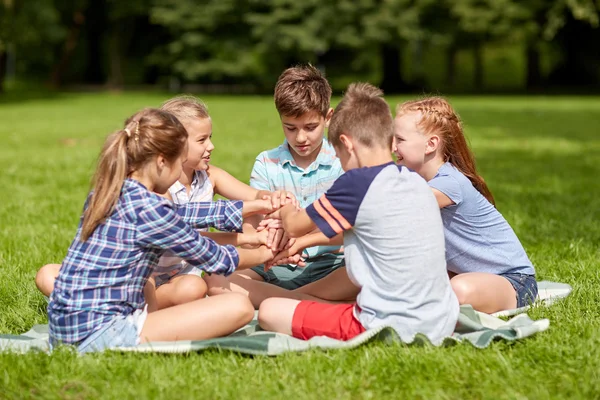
(478, 238)
(276, 169)
(394, 246)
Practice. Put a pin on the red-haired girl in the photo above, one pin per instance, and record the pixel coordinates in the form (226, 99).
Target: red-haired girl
(488, 265)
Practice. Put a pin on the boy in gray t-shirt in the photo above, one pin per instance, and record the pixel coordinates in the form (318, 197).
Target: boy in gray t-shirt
(392, 235)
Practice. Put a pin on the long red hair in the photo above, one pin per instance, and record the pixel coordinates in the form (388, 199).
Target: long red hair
(439, 118)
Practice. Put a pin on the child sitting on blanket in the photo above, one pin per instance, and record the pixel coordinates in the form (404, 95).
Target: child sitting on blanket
(99, 297)
(176, 281)
(306, 165)
(392, 235)
(490, 268)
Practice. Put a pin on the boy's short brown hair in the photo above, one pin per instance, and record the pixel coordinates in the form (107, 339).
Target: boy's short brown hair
(300, 90)
(363, 114)
(186, 107)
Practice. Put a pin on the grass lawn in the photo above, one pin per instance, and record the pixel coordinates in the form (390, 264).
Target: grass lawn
(538, 155)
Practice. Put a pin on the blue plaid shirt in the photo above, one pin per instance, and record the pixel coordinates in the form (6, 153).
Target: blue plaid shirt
(276, 169)
(105, 275)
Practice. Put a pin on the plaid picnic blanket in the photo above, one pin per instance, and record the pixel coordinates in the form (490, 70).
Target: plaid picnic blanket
(478, 329)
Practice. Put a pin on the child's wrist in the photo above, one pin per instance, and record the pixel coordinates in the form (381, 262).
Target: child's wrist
(266, 253)
(254, 239)
(300, 244)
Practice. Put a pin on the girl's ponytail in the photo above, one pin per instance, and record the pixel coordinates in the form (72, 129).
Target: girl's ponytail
(458, 153)
(111, 172)
(147, 134)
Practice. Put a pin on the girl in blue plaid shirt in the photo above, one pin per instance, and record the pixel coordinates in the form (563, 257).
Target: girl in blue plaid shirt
(100, 296)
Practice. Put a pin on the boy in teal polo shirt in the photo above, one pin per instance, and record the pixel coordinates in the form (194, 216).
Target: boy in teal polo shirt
(305, 165)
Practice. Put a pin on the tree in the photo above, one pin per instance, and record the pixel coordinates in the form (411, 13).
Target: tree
(470, 24)
(234, 39)
(122, 18)
(211, 42)
(570, 24)
(30, 29)
(73, 18)
(311, 30)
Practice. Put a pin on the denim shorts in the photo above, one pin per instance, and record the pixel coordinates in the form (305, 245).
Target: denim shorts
(291, 277)
(186, 269)
(525, 286)
(121, 331)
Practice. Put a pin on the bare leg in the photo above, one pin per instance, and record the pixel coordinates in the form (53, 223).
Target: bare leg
(487, 293)
(335, 287)
(179, 290)
(277, 314)
(218, 284)
(256, 291)
(45, 277)
(248, 274)
(150, 295)
(200, 319)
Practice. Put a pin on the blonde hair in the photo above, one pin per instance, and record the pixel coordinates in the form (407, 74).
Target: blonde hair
(300, 90)
(146, 134)
(364, 115)
(439, 118)
(186, 107)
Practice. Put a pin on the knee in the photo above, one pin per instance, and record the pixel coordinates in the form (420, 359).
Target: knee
(463, 289)
(266, 312)
(45, 277)
(191, 288)
(243, 307)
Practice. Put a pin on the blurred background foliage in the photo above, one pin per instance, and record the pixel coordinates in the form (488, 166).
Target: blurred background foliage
(242, 45)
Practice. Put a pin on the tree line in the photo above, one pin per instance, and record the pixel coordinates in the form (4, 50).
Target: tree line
(245, 44)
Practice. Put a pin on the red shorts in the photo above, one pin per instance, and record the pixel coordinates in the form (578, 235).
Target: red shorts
(332, 320)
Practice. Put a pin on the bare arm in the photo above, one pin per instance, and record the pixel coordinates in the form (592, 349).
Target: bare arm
(318, 238)
(237, 239)
(296, 222)
(230, 187)
(252, 257)
(293, 254)
(442, 199)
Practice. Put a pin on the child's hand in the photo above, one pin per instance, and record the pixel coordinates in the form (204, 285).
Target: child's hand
(267, 255)
(260, 206)
(262, 237)
(277, 239)
(291, 254)
(296, 259)
(280, 198)
(269, 223)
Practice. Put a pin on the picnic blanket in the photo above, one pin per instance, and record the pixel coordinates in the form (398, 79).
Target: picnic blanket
(548, 293)
(476, 328)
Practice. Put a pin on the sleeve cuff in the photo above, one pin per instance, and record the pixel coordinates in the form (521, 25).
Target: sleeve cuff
(321, 223)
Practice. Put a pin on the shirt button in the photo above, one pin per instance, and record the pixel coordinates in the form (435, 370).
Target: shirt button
(305, 198)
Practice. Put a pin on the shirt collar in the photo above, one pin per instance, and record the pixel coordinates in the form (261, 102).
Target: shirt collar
(178, 186)
(326, 155)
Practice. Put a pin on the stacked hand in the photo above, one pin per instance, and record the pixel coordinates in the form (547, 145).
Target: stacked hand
(291, 254)
(280, 198)
(277, 239)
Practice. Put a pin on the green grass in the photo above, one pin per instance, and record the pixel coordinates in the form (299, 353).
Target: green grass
(538, 155)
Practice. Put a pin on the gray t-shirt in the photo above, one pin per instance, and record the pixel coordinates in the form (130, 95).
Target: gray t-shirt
(478, 238)
(394, 249)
